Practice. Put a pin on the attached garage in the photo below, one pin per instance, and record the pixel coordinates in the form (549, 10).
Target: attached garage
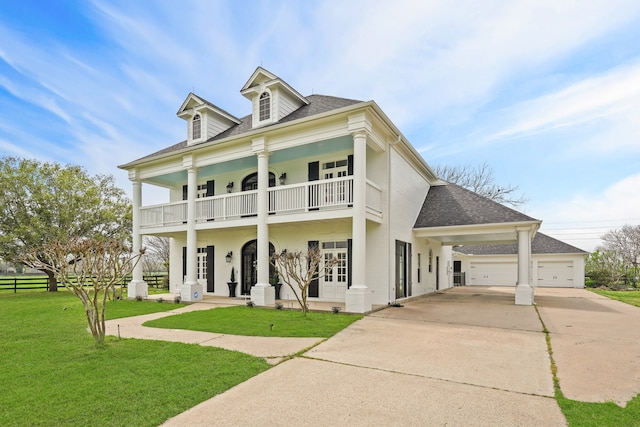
(556, 274)
(553, 264)
(493, 273)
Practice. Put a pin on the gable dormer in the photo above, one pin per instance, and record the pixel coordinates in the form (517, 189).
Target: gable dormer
(271, 98)
(204, 120)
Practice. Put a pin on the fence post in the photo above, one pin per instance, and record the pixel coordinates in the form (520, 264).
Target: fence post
(15, 285)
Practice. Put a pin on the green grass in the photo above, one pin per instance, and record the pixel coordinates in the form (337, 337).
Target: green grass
(241, 320)
(52, 374)
(583, 414)
(629, 297)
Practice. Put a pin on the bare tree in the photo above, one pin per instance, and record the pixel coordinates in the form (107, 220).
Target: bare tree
(156, 254)
(89, 268)
(625, 242)
(299, 268)
(480, 180)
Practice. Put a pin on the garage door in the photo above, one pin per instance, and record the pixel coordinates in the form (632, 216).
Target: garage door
(494, 273)
(555, 274)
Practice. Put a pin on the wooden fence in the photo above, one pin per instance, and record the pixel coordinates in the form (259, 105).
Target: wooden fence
(16, 284)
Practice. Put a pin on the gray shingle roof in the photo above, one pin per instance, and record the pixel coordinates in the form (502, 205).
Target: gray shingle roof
(318, 104)
(450, 205)
(541, 244)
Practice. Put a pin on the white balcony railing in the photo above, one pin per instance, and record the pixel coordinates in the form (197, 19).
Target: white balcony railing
(163, 215)
(326, 194)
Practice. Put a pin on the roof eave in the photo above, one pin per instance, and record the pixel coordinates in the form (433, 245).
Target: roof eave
(249, 134)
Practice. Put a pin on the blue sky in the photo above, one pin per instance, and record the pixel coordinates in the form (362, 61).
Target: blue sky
(546, 92)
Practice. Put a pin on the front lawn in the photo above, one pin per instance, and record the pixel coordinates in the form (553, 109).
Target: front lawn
(254, 321)
(52, 374)
(629, 297)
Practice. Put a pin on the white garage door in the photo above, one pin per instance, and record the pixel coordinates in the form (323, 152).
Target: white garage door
(494, 273)
(555, 274)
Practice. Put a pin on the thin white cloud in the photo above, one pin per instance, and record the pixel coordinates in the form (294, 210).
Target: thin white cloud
(604, 97)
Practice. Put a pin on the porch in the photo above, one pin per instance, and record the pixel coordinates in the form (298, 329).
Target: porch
(325, 195)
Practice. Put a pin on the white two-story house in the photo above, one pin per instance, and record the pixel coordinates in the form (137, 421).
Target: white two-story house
(303, 171)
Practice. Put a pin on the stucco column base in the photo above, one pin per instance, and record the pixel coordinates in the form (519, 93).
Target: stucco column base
(263, 295)
(137, 288)
(524, 295)
(358, 300)
(191, 292)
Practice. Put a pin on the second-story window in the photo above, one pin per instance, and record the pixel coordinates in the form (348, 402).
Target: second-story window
(197, 127)
(265, 106)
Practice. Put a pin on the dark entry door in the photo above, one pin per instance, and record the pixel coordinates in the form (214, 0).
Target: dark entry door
(437, 273)
(249, 271)
(249, 267)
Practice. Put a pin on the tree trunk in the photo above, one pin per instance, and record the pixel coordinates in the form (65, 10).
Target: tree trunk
(53, 283)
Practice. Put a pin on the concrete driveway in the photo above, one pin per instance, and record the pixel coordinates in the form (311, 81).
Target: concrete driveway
(467, 356)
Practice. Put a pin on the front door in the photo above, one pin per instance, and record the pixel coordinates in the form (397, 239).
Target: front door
(437, 273)
(249, 267)
(334, 281)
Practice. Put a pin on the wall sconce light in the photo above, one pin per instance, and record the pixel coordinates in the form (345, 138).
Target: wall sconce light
(229, 187)
(283, 178)
(229, 256)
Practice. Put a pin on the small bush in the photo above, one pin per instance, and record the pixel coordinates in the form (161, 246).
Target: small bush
(250, 304)
(138, 297)
(279, 306)
(335, 309)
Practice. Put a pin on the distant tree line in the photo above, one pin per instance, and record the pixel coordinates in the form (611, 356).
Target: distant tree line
(615, 264)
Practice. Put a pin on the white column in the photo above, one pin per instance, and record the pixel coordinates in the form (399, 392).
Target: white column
(263, 294)
(191, 290)
(358, 297)
(137, 287)
(524, 289)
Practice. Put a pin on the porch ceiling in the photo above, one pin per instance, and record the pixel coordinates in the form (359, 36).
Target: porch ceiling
(251, 162)
(478, 234)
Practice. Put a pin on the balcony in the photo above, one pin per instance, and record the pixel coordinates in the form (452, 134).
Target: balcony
(330, 194)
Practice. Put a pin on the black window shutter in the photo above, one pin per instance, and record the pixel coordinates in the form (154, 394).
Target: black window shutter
(184, 261)
(349, 261)
(210, 188)
(185, 192)
(314, 175)
(350, 164)
(210, 264)
(314, 287)
(314, 171)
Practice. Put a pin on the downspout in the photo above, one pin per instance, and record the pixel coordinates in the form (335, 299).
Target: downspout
(390, 297)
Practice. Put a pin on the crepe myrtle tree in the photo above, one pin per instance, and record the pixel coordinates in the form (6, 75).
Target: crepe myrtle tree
(298, 269)
(42, 203)
(90, 268)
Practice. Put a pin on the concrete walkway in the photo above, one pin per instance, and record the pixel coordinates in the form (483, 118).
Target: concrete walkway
(467, 356)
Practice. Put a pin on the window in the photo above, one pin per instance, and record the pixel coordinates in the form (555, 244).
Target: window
(265, 106)
(202, 263)
(197, 127)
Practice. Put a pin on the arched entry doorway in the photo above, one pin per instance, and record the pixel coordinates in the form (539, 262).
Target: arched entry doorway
(249, 271)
